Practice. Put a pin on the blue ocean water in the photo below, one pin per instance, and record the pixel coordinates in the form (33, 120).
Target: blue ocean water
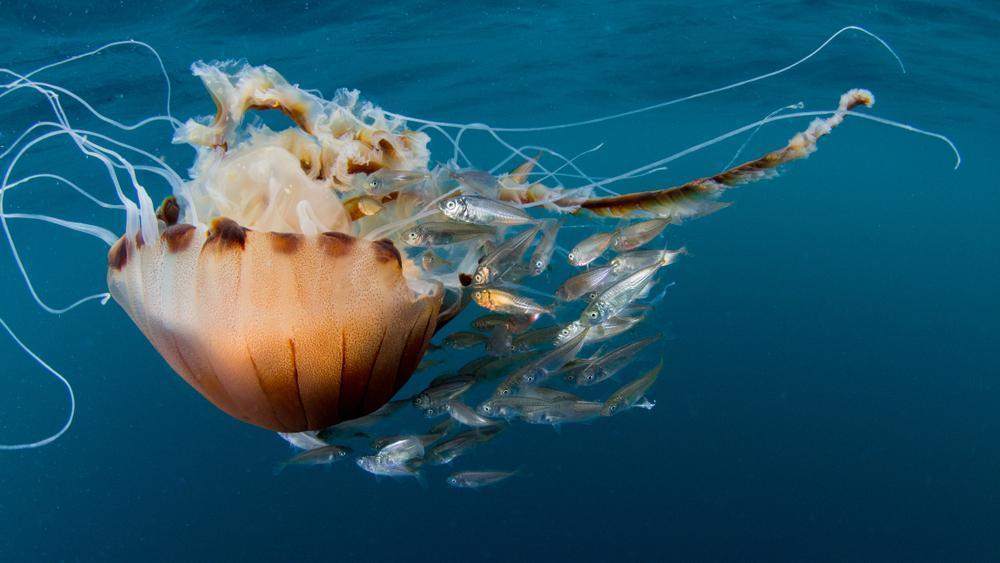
(830, 389)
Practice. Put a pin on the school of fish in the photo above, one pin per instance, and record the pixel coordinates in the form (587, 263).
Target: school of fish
(554, 352)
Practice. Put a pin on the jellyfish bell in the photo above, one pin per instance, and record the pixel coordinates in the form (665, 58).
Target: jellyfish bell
(257, 287)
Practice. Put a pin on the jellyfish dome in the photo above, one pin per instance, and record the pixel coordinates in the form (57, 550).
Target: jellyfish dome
(255, 282)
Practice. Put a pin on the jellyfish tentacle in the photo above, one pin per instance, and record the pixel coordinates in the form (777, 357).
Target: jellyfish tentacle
(69, 390)
(19, 78)
(596, 120)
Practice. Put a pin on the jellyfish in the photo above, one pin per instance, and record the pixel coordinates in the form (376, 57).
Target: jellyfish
(283, 277)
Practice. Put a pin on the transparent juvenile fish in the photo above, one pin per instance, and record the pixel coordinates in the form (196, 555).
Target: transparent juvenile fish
(534, 339)
(499, 366)
(442, 427)
(630, 262)
(509, 406)
(500, 341)
(425, 439)
(444, 233)
(543, 367)
(460, 444)
(303, 440)
(400, 451)
(463, 414)
(582, 283)
(503, 258)
(476, 479)
(563, 411)
(352, 428)
(608, 329)
(432, 262)
(547, 394)
(571, 371)
(611, 363)
(612, 300)
(506, 302)
(472, 367)
(478, 181)
(637, 234)
(589, 249)
(372, 465)
(483, 211)
(612, 328)
(513, 323)
(438, 394)
(631, 393)
(384, 181)
(324, 455)
(461, 340)
(542, 254)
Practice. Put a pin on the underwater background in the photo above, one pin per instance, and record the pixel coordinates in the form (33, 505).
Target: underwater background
(831, 388)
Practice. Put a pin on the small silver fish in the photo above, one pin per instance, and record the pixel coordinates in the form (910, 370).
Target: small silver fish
(462, 414)
(589, 249)
(319, 456)
(483, 211)
(500, 341)
(498, 367)
(513, 323)
(582, 283)
(432, 262)
(303, 440)
(509, 406)
(461, 340)
(476, 479)
(542, 255)
(437, 394)
(612, 300)
(630, 262)
(547, 394)
(611, 363)
(442, 234)
(400, 451)
(534, 339)
(503, 258)
(383, 181)
(353, 427)
(637, 234)
(478, 181)
(630, 394)
(540, 369)
(462, 443)
(425, 439)
(372, 465)
(560, 412)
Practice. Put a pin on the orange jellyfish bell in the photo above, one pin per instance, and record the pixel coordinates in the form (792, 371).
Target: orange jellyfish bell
(288, 332)
(256, 285)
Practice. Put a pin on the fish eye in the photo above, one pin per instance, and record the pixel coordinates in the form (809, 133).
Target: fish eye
(571, 256)
(593, 314)
(590, 377)
(451, 204)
